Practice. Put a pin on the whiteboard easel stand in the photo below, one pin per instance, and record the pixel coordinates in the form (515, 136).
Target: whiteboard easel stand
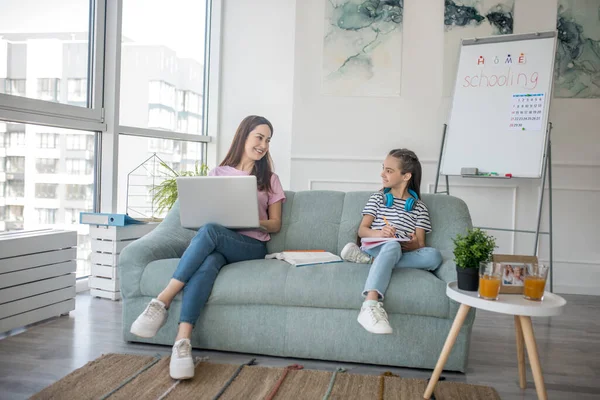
(546, 170)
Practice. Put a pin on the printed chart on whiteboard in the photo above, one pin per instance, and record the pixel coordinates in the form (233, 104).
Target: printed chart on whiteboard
(526, 113)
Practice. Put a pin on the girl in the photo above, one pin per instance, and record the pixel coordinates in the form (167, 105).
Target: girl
(393, 212)
(214, 246)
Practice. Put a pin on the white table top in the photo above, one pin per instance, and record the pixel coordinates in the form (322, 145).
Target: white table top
(513, 304)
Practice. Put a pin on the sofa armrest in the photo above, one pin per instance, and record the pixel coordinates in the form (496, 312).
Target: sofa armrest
(447, 270)
(162, 243)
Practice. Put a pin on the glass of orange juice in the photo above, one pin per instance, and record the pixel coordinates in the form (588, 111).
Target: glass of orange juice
(490, 278)
(535, 282)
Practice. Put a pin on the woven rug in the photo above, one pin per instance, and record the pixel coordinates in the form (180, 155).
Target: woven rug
(121, 376)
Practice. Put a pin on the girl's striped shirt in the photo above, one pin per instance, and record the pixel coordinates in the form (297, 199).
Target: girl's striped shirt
(405, 222)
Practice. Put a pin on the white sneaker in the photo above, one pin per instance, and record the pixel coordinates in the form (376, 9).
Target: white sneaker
(352, 253)
(151, 320)
(374, 319)
(182, 364)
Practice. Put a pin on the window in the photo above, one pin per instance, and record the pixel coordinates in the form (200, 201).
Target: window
(76, 166)
(46, 190)
(168, 62)
(15, 189)
(79, 192)
(46, 216)
(77, 91)
(15, 165)
(48, 89)
(161, 93)
(52, 58)
(76, 142)
(44, 43)
(191, 102)
(46, 165)
(16, 87)
(14, 213)
(161, 118)
(72, 215)
(80, 142)
(17, 139)
(47, 140)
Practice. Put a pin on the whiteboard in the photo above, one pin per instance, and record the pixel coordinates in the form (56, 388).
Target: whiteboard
(500, 105)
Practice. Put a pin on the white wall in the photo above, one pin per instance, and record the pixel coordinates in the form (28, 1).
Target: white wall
(257, 69)
(339, 142)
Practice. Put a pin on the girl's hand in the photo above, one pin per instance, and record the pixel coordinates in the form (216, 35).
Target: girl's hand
(388, 231)
(412, 244)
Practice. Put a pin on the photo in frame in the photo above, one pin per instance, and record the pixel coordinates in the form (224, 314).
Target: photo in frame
(514, 269)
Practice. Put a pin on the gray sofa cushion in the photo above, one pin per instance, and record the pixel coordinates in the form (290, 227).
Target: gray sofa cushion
(339, 286)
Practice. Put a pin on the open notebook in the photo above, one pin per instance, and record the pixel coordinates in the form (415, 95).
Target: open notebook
(302, 258)
(369, 243)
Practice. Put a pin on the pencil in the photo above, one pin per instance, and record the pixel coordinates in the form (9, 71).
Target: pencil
(386, 221)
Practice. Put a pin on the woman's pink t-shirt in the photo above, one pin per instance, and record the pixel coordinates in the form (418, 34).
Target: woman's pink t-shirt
(264, 199)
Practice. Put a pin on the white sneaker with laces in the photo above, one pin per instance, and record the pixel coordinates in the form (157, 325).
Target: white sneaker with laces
(151, 320)
(182, 364)
(374, 319)
(352, 253)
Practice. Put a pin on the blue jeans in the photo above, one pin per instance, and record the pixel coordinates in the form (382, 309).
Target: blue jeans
(389, 256)
(211, 248)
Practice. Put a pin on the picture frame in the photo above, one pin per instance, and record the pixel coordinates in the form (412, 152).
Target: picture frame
(514, 269)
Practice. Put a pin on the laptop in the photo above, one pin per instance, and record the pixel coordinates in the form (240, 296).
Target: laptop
(231, 201)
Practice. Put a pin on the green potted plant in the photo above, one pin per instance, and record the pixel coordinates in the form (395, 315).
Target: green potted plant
(165, 194)
(469, 250)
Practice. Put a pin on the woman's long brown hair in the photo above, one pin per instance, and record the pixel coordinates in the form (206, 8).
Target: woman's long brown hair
(263, 169)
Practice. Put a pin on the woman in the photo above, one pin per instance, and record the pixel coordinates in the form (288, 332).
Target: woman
(214, 245)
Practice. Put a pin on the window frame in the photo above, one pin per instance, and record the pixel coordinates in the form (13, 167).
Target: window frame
(26, 110)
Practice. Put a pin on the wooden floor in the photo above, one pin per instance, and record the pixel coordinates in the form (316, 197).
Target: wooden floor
(569, 348)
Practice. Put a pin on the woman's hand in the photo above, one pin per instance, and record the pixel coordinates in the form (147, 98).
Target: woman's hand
(273, 224)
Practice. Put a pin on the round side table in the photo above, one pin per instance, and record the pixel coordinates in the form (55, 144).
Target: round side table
(512, 304)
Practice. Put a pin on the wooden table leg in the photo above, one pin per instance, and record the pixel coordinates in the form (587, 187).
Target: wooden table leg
(534, 360)
(520, 353)
(450, 340)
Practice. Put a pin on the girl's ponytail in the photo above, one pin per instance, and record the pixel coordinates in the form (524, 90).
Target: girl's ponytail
(409, 162)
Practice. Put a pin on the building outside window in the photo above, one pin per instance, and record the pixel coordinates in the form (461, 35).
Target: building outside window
(47, 140)
(15, 189)
(15, 165)
(161, 92)
(72, 215)
(46, 165)
(79, 192)
(161, 118)
(16, 87)
(80, 142)
(14, 213)
(17, 139)
(76, 166)
(48, 89)
(46, 216)
(77, 91)
(46, 190)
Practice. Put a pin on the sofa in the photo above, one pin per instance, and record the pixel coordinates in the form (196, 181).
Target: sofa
(270, 307)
